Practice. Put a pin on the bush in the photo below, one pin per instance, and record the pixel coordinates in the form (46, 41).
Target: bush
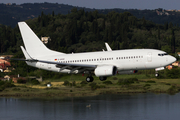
(84, 83)
(94, 86)
(74, 83)
(127, 81)
(107, 82)
(147, 85)
(21, 81)
(5, 84)
(172, 90)
(173, 73)
(8, 85)
(1, 88)
(115, 78)
(150, 81)
(102, 86)
(33, 82)
(16, 89)
(2, 83)
(66, 83)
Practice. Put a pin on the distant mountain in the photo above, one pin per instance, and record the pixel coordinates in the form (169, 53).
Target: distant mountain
(10, 14)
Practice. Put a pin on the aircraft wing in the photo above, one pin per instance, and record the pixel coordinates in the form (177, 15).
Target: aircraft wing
(70, 66)
(67, 64)
(62, 66)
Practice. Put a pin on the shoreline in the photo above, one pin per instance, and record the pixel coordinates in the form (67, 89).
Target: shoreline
(169, 86)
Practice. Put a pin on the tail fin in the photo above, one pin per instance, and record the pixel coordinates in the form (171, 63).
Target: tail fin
(34, 47)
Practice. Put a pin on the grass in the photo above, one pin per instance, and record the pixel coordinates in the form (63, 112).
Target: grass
(79, 88)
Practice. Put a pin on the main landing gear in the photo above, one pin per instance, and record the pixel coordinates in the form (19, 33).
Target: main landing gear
(90, 78)
(102, 78)
(156, 74)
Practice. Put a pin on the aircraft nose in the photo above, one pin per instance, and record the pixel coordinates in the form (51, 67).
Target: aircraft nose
(172, 59)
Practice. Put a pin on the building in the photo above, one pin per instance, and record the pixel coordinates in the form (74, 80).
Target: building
(176, 64)
(4, 65)
(45, 40)
(169, 67)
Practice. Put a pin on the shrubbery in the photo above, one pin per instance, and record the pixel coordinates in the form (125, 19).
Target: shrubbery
(94, 86)
(33, 82)
(127, 81)
(21, 81)
(172, 90)
(150, 81)
(67, 83)
(5, 84)
(107, 82)
(172, 74)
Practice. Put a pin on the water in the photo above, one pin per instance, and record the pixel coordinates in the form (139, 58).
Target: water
(104, 107)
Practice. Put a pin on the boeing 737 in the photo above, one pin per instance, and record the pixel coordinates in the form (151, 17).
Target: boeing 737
(101, 64)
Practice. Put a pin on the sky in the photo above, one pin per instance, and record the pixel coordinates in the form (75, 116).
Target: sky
(107, 4)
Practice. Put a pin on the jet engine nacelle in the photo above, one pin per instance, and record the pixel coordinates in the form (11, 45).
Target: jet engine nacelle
(105, 71)
(128, 72)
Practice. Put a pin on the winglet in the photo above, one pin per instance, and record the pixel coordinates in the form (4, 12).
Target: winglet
(108, 47)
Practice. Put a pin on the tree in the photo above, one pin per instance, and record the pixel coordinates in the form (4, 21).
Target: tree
(173, 41)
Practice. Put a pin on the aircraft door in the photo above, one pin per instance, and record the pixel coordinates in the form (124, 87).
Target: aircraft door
(149, 57)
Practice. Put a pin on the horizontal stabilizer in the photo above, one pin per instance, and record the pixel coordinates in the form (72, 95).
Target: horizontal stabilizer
(27, 56)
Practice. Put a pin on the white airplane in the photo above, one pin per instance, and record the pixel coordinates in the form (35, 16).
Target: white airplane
(102, 63)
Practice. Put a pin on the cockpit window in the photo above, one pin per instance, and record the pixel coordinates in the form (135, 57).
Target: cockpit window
(163, 54)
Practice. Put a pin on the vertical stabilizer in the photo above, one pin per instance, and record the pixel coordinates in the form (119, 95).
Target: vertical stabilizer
(34, 46)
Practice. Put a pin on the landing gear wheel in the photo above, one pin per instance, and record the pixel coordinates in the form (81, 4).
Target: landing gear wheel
(156, 74)
(89, 79)
(102, 78)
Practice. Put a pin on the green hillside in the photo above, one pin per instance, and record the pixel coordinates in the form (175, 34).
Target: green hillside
(10, 14)
(82, 31)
